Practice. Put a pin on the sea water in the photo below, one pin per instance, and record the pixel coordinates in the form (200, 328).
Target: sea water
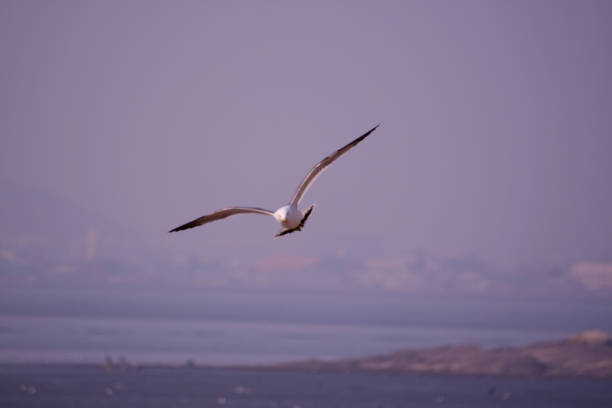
(209, 342)
(61, 386)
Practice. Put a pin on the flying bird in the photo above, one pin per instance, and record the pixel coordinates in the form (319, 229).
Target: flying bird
(289, 216)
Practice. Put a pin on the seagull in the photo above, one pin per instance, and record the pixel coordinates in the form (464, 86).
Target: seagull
(288, 216)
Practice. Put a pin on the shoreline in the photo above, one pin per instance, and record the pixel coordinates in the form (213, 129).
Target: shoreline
(583, 355)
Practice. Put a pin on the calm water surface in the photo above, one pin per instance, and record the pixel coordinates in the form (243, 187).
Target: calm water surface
(90, 340)
(90, 386)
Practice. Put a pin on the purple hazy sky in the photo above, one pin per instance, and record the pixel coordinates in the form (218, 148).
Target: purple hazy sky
(122, 119)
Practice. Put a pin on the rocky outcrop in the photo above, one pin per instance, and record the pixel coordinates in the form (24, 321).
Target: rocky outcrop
(587, 354)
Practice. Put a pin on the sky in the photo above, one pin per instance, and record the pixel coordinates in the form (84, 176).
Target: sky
(488, 178)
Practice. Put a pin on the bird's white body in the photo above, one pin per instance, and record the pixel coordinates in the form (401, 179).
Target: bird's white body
(288, 216)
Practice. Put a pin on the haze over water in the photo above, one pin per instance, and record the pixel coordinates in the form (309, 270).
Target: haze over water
(478, 211)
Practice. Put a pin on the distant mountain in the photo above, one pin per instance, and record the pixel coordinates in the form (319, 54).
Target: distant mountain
(586, 354)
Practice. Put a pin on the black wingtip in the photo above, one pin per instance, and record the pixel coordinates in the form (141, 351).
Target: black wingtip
(183, 227)
(371, 130)
(177, 229)
(366, 134)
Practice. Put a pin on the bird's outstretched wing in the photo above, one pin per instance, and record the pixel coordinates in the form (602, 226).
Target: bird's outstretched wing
(322, 165)
(220, 214)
